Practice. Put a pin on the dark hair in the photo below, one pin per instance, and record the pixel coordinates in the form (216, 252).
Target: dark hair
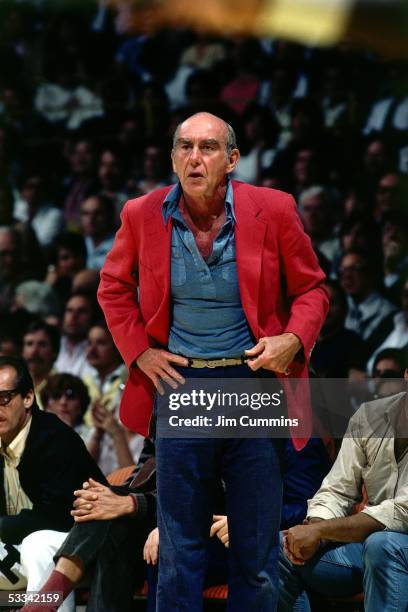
(107, 203)
(91, 297)
(72, 242)
(61, 382)
(51, 331)
(397, 355)
(24, 382)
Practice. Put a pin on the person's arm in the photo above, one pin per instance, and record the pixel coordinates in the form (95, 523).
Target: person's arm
(117, 291)
(106, 422)
(341, 489)
(302, 541)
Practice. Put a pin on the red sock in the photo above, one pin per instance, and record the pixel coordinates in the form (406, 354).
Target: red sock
(56, 583)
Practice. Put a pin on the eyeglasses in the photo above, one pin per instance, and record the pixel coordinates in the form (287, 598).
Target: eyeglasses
(67, 393)
(7, 395)
(386, 374)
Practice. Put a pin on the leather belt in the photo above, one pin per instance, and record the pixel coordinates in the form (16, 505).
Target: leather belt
(215, 363)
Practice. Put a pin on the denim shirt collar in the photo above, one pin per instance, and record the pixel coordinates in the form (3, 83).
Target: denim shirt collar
(171, 209)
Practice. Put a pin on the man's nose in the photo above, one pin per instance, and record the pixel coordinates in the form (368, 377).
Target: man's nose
(195, 155)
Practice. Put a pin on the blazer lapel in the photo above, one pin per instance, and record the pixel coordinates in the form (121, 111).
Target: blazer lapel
(249, 239)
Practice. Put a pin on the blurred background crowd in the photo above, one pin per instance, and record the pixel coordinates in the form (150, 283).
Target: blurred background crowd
(87, 113)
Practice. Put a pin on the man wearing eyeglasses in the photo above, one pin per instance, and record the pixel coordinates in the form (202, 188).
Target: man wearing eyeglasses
(42, 461)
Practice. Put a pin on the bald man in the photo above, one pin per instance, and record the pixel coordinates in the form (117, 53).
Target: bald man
(209, 257)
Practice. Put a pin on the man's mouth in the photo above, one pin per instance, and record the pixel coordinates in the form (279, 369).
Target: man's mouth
(195, 175)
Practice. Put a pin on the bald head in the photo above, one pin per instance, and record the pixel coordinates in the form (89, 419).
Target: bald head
(230, 138)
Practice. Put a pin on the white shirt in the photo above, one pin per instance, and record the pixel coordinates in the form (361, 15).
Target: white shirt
(96, 255)
(72, 359)
(47, 222)
(398, 338)
(367, 454)
(363, 318)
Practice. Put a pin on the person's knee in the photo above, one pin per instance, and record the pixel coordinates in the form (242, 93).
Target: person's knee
(34, 545)
(380, 545)
(40, 547)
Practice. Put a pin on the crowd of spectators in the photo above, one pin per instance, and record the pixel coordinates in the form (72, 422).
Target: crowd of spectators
(87, 113)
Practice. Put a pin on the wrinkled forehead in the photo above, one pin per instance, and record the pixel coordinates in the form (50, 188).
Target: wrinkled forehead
(202, 128)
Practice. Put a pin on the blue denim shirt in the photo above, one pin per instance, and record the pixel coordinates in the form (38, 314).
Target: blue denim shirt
(207, 320)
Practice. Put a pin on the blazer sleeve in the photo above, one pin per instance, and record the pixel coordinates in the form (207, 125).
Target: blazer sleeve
(117, 293)
(309, 301)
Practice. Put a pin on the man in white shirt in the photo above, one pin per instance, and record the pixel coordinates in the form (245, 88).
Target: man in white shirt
(336, 552)
(78, 317)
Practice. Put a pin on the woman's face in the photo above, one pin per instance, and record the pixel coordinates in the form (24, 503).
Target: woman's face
(66, 405)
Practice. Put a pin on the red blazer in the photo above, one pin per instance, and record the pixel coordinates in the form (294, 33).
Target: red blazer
(278, 273)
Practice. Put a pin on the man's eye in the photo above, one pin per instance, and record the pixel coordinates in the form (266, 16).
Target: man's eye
(208, 148)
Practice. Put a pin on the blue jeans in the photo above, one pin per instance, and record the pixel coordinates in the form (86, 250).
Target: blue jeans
(379, 566)
(187, 474)
(217, 571)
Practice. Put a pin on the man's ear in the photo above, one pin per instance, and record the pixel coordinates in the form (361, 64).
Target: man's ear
(29, 399)
(406, 374)
(233, 160)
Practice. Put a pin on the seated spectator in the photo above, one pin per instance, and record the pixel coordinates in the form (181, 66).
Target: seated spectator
(388, 372)
(395, 328)
(388, 196)
(86, 281)
(155, 170)
(367, 308)
(98, 228)
(109, 443)
(70, 258)
(395, 253)
(258, 147)
(81, 182)
(41, 344)
(43, 461)
(337, 349)
(336, 552)
(11, 273)
(67, 397)
(317, 210)
(78, 317)
(62, 99)
(111, 174)
(9, 344)
(46, 220)
(106, 542)
(358, 233)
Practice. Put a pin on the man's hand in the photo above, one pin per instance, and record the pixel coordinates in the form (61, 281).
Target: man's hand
(151, 547)
(156, 364)
(302, 541)
(274, 353)
(96, 502)
(220, 529)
